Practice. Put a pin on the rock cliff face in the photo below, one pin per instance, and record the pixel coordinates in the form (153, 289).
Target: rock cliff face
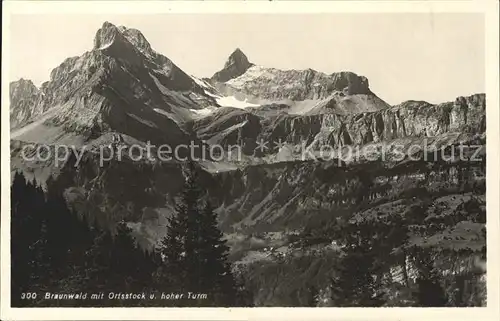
(408, 121)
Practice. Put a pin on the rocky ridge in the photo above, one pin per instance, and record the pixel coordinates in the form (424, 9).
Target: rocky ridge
(122, 85)
(441, 124)
(341, 92)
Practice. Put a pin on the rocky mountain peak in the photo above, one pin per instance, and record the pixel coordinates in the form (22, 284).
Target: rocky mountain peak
(122, 38)
(235, 66)
(23, 95)
(350, 83)
(21, 89)
(24, 85)
(106, 35)
(238, 59)
(121, 85)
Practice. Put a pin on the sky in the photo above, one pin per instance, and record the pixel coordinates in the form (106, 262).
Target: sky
(418, 56)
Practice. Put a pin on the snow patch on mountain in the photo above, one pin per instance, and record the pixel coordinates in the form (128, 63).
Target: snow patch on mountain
(141, 120)
(213, 95)
(205, 111)
(219, 136)
(104, 46)
(218, 167)
(231, 101)
(161, 111)
(223, 101)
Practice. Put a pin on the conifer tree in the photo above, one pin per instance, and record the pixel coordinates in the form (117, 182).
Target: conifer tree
(430, 293)
(181, 271)
(194, 252)
(20, 256)
(27, 237)
(312, 296)
(354, 283)
(213, 252)
(173, 253)
(129, 265)
(54, 250)
(98, 258)
(60, 225)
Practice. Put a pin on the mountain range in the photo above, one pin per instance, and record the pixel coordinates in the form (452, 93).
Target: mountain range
(122, 86)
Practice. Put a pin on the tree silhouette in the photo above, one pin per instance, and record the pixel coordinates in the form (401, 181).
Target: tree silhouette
(55, 250)
(194, 252)
(216, 276)
(430, 293)
(28, 237)
(354, 283)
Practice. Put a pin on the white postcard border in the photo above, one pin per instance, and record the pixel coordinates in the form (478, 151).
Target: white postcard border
(490, 10)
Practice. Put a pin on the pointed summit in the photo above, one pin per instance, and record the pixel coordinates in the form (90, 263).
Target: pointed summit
(238, 51)
(106, 35)
(235, 66)
(237, 58)
(109, 35)
(124, 43)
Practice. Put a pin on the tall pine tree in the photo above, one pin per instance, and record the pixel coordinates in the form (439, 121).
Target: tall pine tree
(354, 283)
(194, 252)
(178, 246)
(28, 238)
(216, 276)
(430, 292)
